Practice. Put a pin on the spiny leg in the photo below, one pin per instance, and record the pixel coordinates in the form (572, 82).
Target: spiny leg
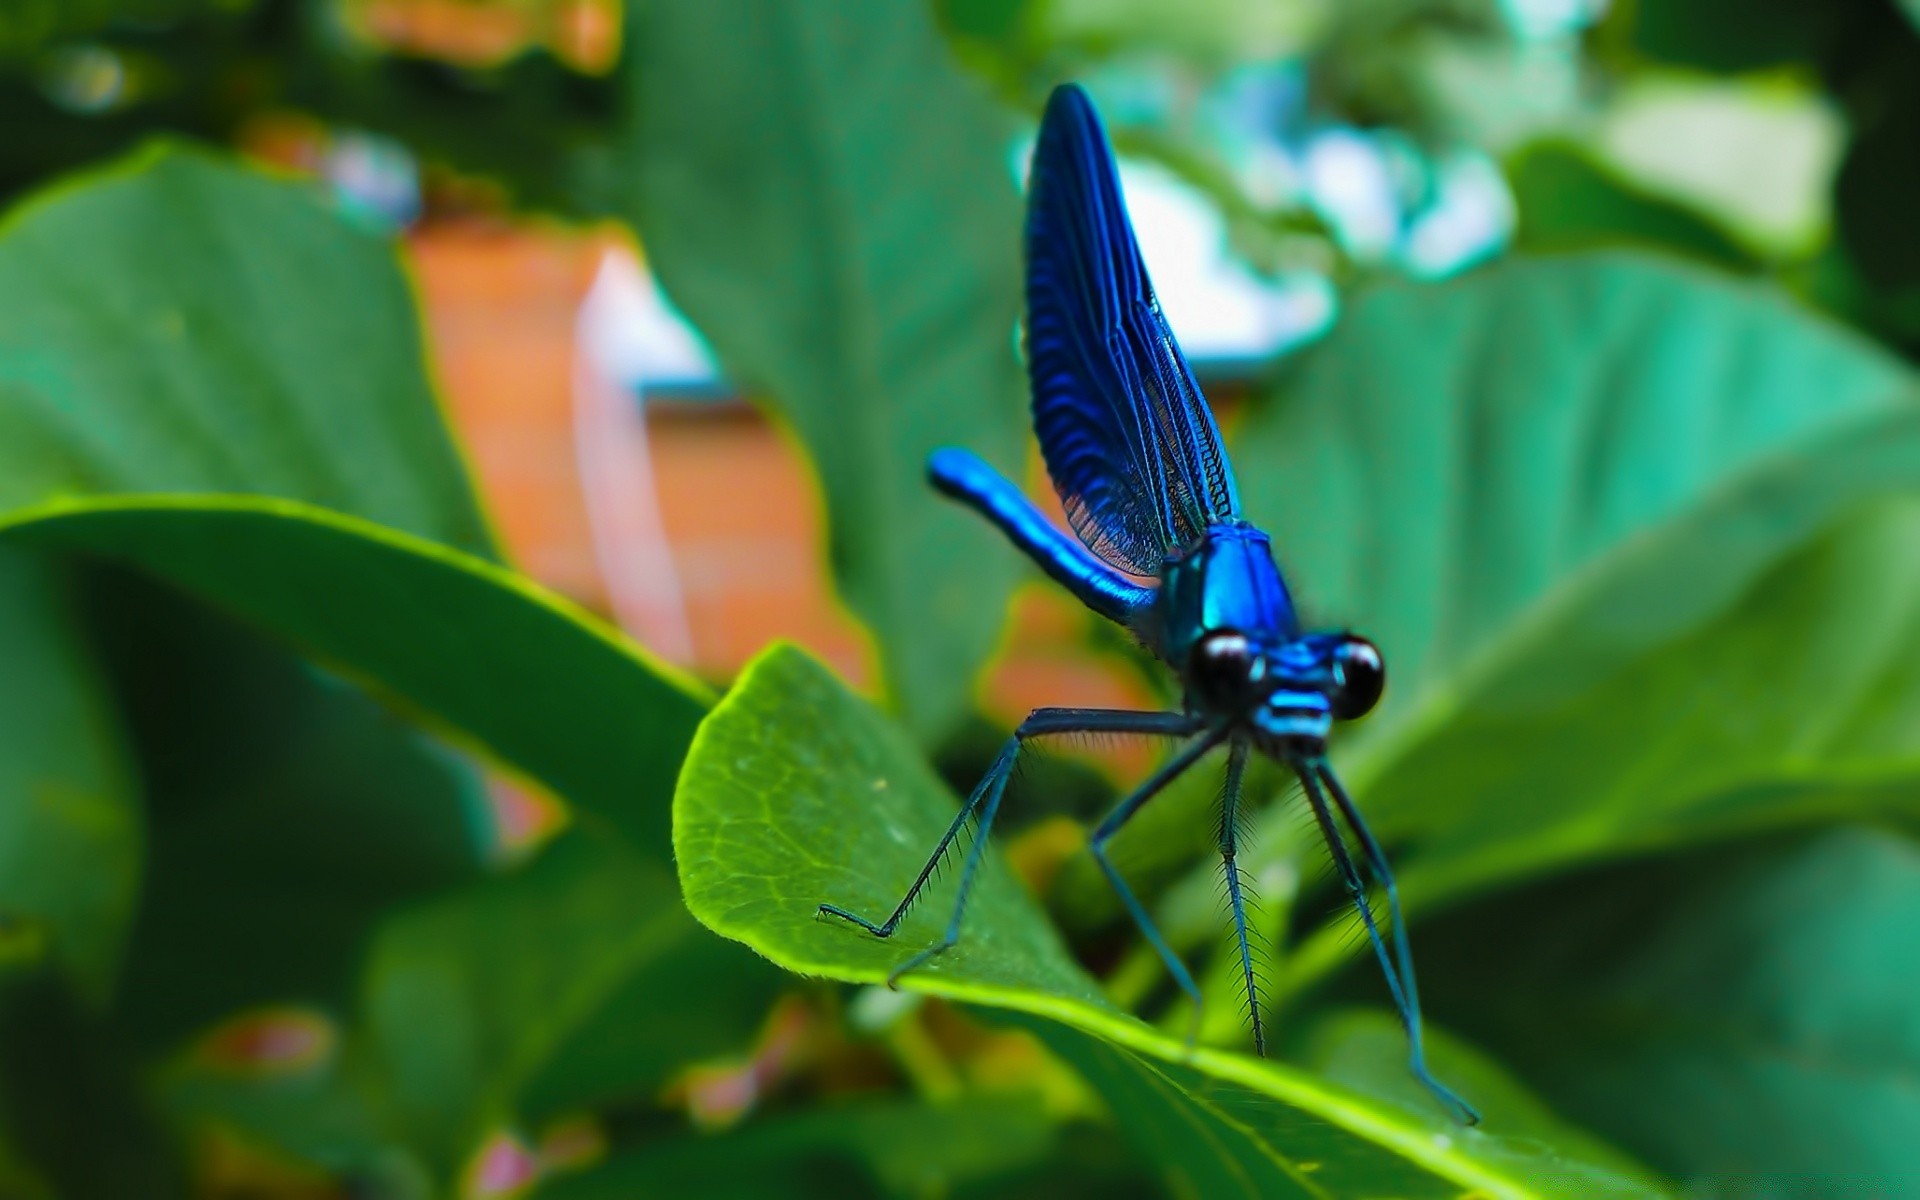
(1408, 992)
(1350, 876)
(1229, 849)
(985, 799)
(1122, 813)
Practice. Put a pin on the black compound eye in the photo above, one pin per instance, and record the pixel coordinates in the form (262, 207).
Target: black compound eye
(1360, 675)
(1224, 665)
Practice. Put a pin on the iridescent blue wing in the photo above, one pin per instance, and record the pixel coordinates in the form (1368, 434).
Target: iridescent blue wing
(1128, 439)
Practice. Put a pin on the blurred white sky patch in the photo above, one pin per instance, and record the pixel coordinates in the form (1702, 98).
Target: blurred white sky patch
(1352, 187)
(1218, 307)
(1544, 20)
(1470, 219)
(1758, 155)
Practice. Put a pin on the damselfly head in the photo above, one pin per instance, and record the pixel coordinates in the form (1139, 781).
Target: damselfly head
(1290, 692)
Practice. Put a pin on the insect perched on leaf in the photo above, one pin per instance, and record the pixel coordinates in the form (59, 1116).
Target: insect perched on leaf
(1137, 460)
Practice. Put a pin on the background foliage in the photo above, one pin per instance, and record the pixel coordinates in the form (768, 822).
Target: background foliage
(1629, 496)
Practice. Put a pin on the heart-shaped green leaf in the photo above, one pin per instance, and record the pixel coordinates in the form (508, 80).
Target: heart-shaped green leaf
(795, 793)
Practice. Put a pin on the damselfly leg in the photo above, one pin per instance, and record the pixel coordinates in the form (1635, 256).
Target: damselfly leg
(1229, 857)
(1174, 767)
(985, 800)
(1398, 966)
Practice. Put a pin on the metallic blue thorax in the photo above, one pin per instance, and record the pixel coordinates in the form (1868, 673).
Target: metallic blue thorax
(1228, 581)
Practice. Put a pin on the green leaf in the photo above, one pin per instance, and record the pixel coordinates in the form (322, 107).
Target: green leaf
(831, 203)
(176, 323)
(500, 665)
(882, 1147)
(171, 323)
(1366, 1049)
(1205, 1135)
(286, 814)
(251, 342)
(70, 820)
(467, 997)
(1744, 1021)
(479, 652)
(1568, 200)
(1732, 36)
(794, 793)
(1552, 510)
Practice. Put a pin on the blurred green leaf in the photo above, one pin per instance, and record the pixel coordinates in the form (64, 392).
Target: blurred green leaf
(29, 25)
(177, 323)
(1366, 1049)
(795, 793)
(334, 1114)
(479, 652)
(1568, 201)
(1729, 36)
(467, 997)
(220, 364)
(70, 822)
(1745, 1020)
(831, 203)
(163, 324)
(498, 664)
(286, 813)
(173, 322)
(882, 1147)
(1549, 509)
(695, 1000)
(70, 1095)
(1758, 156)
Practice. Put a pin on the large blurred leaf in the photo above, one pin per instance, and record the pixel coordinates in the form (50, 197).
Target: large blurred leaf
(830, 202)
(171, 323)
(1547, 508)
(795, 793)
(1747, 1024)
(479, 651)
(469, 996)
(289, 367)
(512, 970)
(69, 813)
(176, 323)
(286, 813)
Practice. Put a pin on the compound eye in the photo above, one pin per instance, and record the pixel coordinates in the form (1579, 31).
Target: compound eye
(1224, 664)
(1360, 675)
